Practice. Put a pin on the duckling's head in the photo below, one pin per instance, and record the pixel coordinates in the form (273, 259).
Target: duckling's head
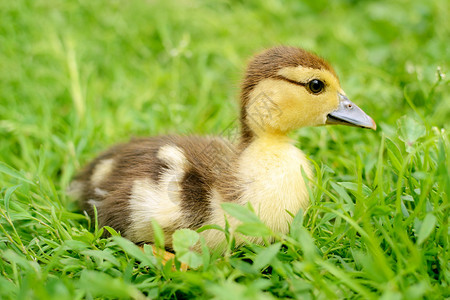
(286, 88)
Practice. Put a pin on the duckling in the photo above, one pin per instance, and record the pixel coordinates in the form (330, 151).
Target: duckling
(181, 181)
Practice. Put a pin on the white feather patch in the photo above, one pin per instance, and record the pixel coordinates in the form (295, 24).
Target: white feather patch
(148, 201)
(101, 171)
(95, 203)
(173, 156)
(170, 182)
(100, 192)
(159, 201)
(75, 189)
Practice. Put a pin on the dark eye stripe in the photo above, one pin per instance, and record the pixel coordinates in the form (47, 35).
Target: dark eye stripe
(289, 80)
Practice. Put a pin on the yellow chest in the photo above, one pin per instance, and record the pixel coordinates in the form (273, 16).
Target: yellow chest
(271, 170)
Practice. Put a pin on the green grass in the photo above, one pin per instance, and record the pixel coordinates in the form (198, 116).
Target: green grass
(78, 76)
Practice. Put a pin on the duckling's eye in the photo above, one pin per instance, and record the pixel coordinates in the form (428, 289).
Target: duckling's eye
(315, 86)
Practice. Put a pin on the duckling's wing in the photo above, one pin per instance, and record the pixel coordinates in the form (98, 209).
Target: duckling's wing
(169, 179)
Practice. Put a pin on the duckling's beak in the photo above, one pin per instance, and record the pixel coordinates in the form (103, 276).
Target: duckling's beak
(348, 113)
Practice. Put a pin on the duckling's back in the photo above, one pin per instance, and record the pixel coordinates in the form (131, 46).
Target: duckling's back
(169, 179)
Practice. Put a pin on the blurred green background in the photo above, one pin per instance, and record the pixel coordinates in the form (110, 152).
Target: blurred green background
(78, 76)
(100, 71)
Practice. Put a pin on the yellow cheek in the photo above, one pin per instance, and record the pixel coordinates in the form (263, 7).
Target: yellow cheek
(279, 106)
(304, 109)
(298, 113)
(331, 101)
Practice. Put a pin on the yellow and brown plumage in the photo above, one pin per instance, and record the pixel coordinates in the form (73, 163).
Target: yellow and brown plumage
(181, 181)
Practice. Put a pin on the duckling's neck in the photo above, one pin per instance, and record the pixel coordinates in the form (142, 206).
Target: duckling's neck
(270, 168)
